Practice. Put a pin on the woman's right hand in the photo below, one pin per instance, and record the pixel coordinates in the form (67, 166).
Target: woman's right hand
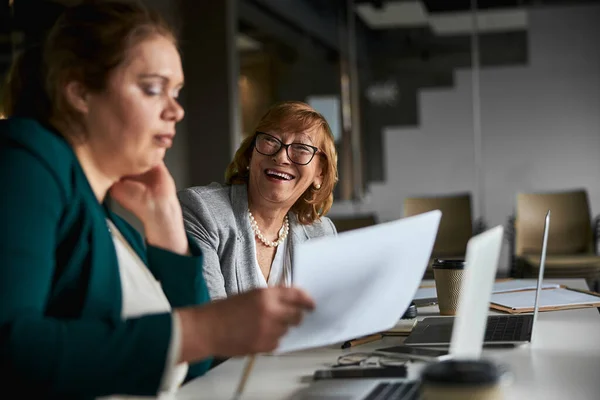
(243, 324)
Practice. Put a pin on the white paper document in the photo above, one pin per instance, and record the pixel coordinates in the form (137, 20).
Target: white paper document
(548, 298)
(362, 281)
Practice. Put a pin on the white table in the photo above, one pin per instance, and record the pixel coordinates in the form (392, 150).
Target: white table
(562, 363)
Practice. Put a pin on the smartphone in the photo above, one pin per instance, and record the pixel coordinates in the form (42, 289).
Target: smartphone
(357, 372)
(415, 353)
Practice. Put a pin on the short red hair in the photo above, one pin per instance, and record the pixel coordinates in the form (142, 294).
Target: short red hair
(294, 116)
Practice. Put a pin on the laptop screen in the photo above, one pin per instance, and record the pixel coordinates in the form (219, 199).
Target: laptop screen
(540, 274)
(483, 252)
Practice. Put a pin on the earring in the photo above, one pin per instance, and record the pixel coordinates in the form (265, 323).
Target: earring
(247, 168)
(317, 186)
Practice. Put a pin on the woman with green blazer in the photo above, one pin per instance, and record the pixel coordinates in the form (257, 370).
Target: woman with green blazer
(88, 308)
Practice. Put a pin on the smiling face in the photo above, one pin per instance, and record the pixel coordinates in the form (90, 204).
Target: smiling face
(276, 181)
(131, 123)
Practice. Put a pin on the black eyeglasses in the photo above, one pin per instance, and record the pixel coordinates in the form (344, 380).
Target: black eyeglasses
(298, 153)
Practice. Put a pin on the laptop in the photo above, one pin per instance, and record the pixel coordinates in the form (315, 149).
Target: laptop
(481, 249)
(500, 330)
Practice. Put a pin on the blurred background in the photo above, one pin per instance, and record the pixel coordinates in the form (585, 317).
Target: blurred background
(463, 104)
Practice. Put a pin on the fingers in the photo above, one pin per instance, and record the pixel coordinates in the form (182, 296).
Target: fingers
(296, 297)
(124, 191)
(267, 313)
(292, 304)
(295, 317)
(144, 179)
(280, 307)
(149, 177)
(288, 315)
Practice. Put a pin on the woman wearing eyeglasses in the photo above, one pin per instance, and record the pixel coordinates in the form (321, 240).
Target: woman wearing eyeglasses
(278, 188)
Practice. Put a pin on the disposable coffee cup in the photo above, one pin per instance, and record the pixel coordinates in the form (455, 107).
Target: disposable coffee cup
(448, 275)
(462, 380)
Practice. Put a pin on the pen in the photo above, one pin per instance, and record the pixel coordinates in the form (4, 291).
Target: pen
(362, 340)
(245, 375)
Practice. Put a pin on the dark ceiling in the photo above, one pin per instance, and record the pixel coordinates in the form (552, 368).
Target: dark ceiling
(404, 43)
(462, 5)
(305, 26)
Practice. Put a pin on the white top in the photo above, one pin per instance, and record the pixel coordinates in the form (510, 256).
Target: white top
(142, 295)
(281, 267)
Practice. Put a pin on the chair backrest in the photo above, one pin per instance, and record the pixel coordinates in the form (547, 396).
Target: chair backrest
(343, 224)
(570, 231)
(456, 226)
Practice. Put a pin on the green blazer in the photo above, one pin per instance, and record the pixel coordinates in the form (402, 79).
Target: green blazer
(61, 331)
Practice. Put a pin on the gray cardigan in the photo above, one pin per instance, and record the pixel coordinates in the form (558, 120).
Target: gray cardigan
(216, 217)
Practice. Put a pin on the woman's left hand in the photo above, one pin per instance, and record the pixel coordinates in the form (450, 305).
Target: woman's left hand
(152, 197)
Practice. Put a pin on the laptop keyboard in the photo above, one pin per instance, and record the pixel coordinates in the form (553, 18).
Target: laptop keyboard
(395, 391)
(503, 328)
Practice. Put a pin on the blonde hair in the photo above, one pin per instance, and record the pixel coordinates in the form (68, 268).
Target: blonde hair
(294, 116)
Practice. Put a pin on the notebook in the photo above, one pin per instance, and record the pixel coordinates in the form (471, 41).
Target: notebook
(514, 285)
(402, 328)
(550, 300)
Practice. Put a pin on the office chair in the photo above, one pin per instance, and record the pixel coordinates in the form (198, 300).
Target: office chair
(572, 249)
(348, 223)
(456, 225)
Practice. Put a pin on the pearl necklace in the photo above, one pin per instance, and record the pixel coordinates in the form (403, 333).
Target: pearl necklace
(283, 232)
